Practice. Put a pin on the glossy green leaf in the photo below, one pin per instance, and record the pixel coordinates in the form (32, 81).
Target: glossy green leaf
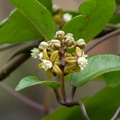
(38, 15)
(97, 65)
(101, 106)
(115, 19)
(17, 29)
(112, 79)
(47, 4)
(92, 19)
(33, 80)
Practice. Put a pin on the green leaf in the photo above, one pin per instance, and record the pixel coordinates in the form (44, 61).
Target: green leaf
(115, 19)
(92, 19)
(101, 106)
(38, 15)
(112, 79)
(117, 2)
(97, 65)
(33, 80)
(47, 4)
(17, 29)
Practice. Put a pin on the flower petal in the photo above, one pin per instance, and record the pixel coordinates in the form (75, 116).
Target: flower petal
(45, 55)
(70, 59)
(54, 56)
(79, 52)
(40, 66)
(70, 68)
(48, 73)
(57, 69)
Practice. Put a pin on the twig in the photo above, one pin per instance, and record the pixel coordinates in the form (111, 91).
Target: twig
(7, 46)
(19, 57)
(24, 47)
(13, 64)
(83, 110)
(22, 98)
(116, 114)
(100, 40)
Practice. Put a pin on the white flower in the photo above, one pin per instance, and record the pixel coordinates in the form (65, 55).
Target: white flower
(46, 64)
(41, 56)
(82, 62)
(67, 17)
(35, 53)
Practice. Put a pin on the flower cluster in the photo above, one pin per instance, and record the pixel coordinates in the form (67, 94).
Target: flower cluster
(55, 56)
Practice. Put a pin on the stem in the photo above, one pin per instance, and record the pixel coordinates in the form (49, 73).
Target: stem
(22, 98)
(12, 65)
(116, 114)
(71, 104)
(7, 46)
(83, 110)
(100, 40)
(58, 97)
(62, 56)
(63, 87)
(19, 57)
(73, 92)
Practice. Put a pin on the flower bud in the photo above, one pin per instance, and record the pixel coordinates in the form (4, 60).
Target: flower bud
(69, 41)
(81, 43)
(43, 45)
(60, 34)
(55, 44)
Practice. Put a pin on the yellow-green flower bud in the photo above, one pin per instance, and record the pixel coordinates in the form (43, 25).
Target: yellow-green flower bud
(43, 45)
(81, 43)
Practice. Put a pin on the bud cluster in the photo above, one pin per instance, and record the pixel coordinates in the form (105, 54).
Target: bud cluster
(55, 57)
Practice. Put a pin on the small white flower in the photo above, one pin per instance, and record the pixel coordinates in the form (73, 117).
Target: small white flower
(41, 56)
(82, 62)
(35, 53)
(67, 17)
(46, 64)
